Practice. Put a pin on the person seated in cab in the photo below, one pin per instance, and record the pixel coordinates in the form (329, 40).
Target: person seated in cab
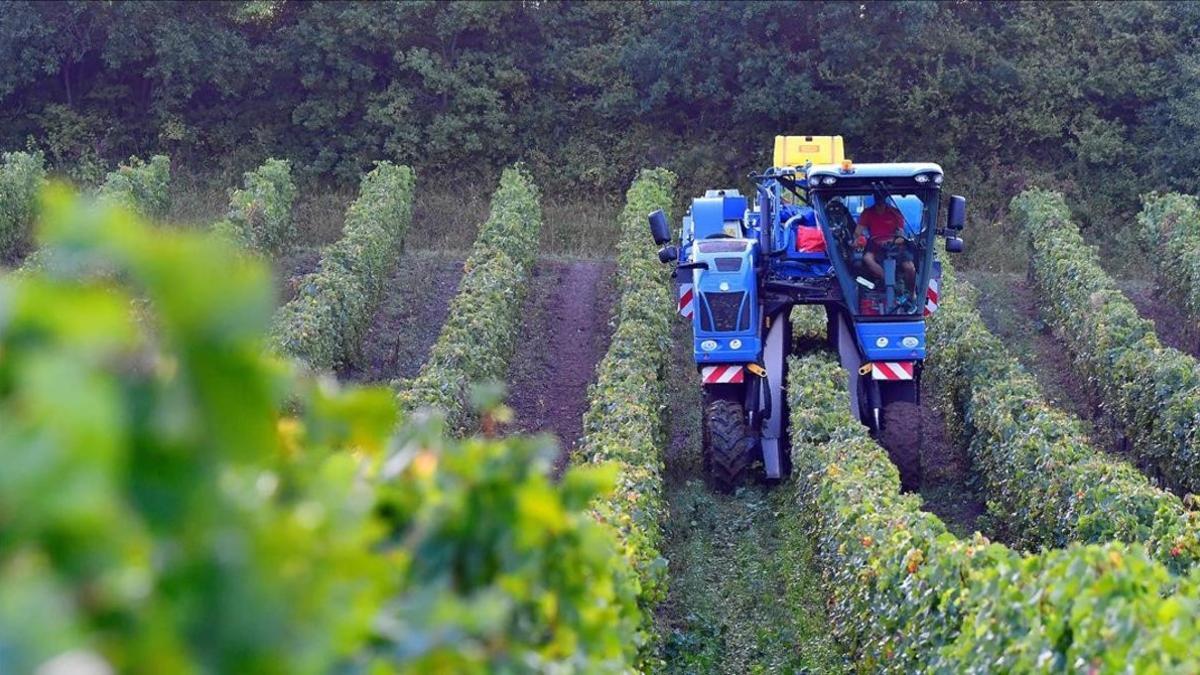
(879, 225)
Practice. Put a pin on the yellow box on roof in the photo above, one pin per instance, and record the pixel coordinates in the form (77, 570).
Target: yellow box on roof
(800, 150)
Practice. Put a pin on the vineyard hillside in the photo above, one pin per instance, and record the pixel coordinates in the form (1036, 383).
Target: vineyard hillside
(608, 337)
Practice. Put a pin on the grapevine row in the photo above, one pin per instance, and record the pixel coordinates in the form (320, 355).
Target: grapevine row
(324, 324)
(141, 186)
(22, 175)
(479, 336)
(260, 213)
(1151, 391)
(908, 596)
(177, 500)
(1043, 480)
(1170, 224)
(625, 423)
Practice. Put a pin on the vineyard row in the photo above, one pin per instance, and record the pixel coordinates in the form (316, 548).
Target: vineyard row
(325, 323)
(1152, 392)
(909, 596)
(480, 334)
(625, 423)
(1042, 478)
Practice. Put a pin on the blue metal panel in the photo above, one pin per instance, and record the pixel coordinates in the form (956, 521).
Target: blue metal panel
(750, 351)
(895, 170)
(716, 280)
(883, 341)
(708, 216)
(734, 207)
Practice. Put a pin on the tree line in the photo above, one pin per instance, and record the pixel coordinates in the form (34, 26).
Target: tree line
(1099, 99)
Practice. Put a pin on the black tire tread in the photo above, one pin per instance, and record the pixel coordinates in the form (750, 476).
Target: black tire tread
(727, 446)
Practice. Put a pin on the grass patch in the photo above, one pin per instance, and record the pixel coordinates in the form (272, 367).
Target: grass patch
(745, 596)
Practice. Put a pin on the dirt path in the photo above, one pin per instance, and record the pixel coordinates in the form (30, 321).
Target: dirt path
(744, 595)
(564, 334)
(289, 268)
(947, 488)
(1009, 308)
(1169, 322)
(415, 305)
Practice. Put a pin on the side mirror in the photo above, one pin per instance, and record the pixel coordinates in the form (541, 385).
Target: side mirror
(668, 254)
(659, 229)
(954, 245)
(956, 216)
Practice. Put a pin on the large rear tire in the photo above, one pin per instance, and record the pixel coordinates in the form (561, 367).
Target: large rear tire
(728, 448)
(900, 434)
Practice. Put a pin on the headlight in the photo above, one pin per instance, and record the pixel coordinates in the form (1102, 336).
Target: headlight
(921, 178)
(910, 342)
(708, 345)
(881, 342)
(828, 180)
(937, 179)
(735, 344)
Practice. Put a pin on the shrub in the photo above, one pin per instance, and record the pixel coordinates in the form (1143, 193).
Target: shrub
(181, 502)
(503, 569)
(1044, 482)
(625, 421)
(325, 323)
(143, 187)
(1152, 392)
(908, 596)
(21, 177)
(159, 509)
(478, 338)
(260, 214)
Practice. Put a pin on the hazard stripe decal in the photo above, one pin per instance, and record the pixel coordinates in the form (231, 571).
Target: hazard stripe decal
(892, 370)
(722, 374)
(686, 300)
(931, 297)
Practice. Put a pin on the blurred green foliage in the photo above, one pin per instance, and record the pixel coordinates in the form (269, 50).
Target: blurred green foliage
(175, 500)
(1101, 98)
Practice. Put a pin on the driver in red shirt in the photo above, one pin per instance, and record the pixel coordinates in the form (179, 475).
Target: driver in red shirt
(883, 223)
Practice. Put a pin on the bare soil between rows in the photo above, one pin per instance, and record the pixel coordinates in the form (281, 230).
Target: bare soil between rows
(1009, 307)
(948, 486)
(565, 331)
(290, 269)
(1170, 322)
(415, 304)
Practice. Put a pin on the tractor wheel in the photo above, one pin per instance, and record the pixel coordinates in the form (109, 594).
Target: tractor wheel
(727, 446)
(900, 435)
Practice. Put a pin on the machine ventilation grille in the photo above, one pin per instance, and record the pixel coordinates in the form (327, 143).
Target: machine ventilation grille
(724, 309)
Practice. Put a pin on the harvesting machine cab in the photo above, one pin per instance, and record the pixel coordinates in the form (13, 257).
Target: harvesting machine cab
(742, 264)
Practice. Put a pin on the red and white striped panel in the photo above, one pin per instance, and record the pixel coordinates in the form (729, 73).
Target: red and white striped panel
(931, 296)
(722, 374)
(687, 301)
(892, 370)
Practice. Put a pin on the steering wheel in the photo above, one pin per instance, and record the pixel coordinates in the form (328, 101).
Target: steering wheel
(840, 222)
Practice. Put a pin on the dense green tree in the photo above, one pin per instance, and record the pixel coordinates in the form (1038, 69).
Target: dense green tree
(1098, 99)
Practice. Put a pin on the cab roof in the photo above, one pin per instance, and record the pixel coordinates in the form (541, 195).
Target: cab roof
(890, 170)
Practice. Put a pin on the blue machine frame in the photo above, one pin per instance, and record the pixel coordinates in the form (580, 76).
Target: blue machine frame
(746, 271)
